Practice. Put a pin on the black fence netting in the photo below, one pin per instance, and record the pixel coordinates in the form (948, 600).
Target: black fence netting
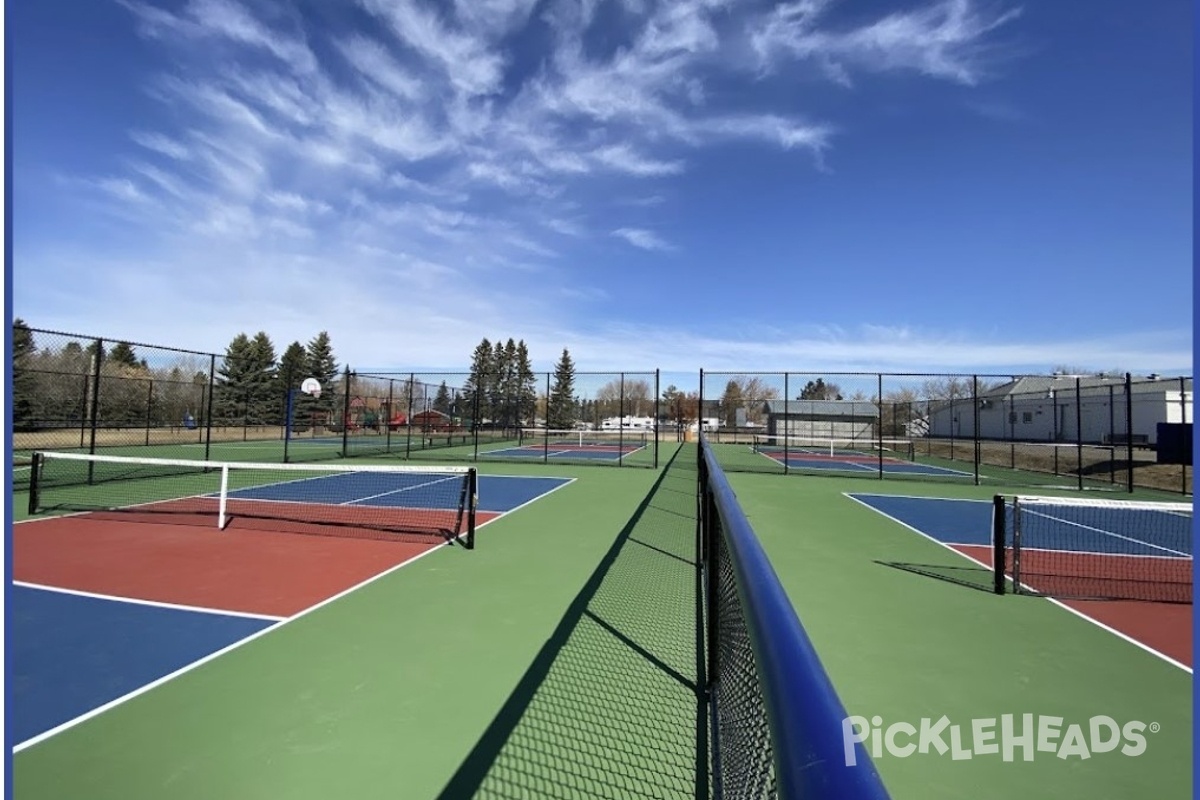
(1085, 432)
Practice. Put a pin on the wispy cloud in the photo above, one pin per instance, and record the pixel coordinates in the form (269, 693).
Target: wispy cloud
(646, 240)
(943, 39)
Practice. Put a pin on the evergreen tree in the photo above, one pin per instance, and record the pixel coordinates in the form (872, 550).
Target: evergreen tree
(319, 363)
(122, 354)
(562, 410)
(441, 402)
(289, 373)
(475, 391)
(526, 386)
(233, 379)
(262, 390)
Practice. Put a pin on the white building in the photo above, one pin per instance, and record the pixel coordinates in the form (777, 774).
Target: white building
(1044, 409)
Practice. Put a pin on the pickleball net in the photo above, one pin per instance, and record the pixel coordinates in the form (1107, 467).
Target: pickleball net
(1092, 548)
(364, 501)
(866, 450)
(620, 439)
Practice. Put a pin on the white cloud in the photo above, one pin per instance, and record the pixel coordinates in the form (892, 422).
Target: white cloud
(943, 39)
(646, 240)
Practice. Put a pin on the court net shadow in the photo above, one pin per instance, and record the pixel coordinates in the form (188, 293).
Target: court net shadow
(969, 576)
(610, 706)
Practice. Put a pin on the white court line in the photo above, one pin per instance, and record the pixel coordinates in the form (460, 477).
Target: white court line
(1056, 602)
(71, 723)
(140, 602)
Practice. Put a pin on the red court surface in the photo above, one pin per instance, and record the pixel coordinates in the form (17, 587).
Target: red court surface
(1163, 627)
(239, 569)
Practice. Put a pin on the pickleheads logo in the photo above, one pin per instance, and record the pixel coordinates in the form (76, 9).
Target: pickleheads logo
(1005, 737)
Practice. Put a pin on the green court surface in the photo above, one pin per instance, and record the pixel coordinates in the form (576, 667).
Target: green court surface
(559, 659)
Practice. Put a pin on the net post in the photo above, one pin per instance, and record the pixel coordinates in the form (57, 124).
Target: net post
(999, 551)
(224, 497)
(472, 504)
(35, 469)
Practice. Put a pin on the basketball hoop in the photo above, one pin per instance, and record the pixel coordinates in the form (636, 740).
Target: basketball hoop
(311, 386)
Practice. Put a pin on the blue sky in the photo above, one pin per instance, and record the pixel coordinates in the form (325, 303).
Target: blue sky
(821, 185)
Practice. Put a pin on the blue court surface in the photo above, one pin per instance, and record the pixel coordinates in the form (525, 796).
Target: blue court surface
(497, 493)
(69, 653)
(1105, 529)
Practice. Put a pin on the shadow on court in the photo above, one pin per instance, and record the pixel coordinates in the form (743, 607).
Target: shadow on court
(610, 706)
(969, 576)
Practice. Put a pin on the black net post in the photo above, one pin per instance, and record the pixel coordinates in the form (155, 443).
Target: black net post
(1129, 429)
(999, 551)
(472, 501)
(35, 468)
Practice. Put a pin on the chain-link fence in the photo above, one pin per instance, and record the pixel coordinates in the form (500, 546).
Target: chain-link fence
(602, 418)
(91, 394)
(1096, 432)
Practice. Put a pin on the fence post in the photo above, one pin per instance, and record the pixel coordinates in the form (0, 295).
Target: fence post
(621, 424)
(94, 411)
(1079, 431)
(657, 416)
(1129, 429)
(208, 413)
(879, 425)
(1183, 418)
(346, 375)
(149, 408)
(787, 425)
(975, 422)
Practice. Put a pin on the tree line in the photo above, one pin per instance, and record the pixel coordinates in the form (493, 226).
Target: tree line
(61, 382)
